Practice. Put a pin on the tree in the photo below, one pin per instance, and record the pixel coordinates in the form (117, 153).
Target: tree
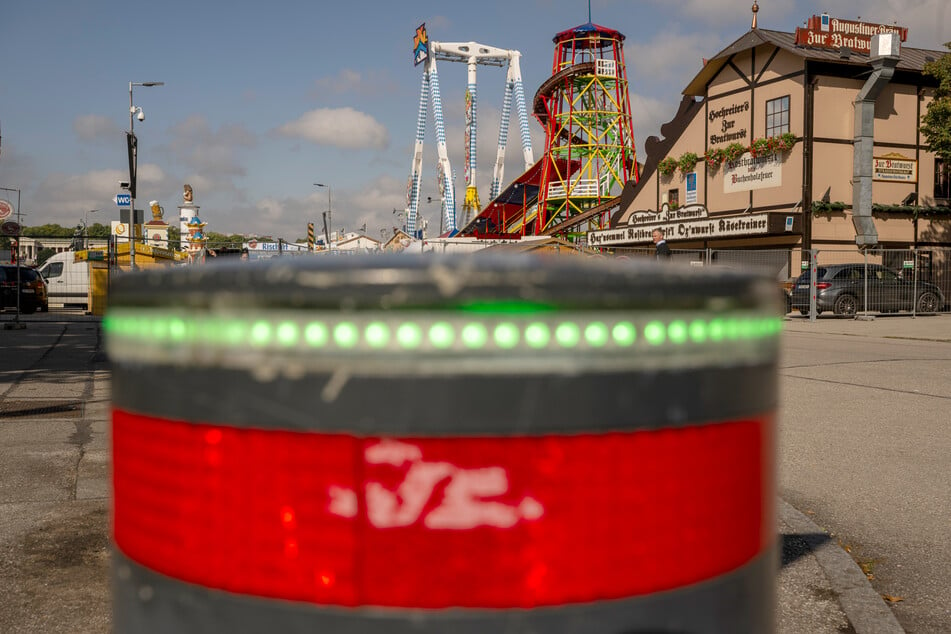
(43, 255)
(936, 123)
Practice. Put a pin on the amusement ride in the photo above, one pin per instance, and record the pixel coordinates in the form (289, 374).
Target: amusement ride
(585, 110)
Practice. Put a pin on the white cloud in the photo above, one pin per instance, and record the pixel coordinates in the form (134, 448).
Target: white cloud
(351, 82)
(338, 127)
(94, 127)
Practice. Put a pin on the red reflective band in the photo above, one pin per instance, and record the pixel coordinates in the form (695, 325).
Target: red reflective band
(497, 522)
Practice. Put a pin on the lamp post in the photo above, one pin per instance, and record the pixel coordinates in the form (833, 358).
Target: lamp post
(133, 162)
(17, 190)
(86, 226)
(330, 215)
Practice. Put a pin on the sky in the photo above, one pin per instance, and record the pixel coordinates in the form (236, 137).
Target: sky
(263, 99)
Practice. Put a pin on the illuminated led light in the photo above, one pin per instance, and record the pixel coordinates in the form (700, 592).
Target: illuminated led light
(441, 334)
(506, 335)
(287, 333)
(315, 334)
(346, 334)
(697, 331)
(567, 334)
(260, 333)
(284, 331)
(510, 307)
(537, 335)
(654, 333)
(474, 335)
(377, 334)
(176, 329)
(596, 334)
(677, 331)
(409, 335)
(624, 334)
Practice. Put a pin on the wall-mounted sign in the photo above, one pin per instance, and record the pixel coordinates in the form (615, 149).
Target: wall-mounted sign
(895, 167)
(752, 172)
(691, 183)
(703, 229)
(824, 32)
(723, 121)
(667, 214)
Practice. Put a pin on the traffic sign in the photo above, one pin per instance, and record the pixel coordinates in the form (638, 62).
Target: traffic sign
(123, 200)
(6, 209)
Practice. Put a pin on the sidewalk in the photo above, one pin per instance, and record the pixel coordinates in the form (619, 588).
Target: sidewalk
(54, 491)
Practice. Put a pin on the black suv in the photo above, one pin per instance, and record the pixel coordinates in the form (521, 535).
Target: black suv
(841, 289)
(32, 289)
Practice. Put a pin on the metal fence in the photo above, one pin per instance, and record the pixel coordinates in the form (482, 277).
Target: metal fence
(838, 282)
(812, 283)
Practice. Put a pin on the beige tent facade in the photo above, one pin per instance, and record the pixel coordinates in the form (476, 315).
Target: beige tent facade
(799, 193)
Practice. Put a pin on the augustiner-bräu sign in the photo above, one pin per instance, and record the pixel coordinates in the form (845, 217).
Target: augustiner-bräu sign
(833, 33)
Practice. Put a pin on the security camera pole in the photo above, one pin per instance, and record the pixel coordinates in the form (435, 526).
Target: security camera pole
(133, 163)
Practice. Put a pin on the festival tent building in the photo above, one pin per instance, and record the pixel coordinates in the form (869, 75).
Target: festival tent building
(795, 140)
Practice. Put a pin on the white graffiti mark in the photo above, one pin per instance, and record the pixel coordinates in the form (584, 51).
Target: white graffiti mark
(464, 503)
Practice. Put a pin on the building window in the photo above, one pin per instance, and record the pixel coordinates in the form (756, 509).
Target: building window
(777, 116)
(673, 199)
(942, 180)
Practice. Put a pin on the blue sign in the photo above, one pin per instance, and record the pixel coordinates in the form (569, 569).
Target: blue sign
(123, 200)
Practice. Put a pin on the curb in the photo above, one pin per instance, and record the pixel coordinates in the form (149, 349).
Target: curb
(863, 607)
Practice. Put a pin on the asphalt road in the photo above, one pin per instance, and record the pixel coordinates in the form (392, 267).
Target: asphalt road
(865, 451)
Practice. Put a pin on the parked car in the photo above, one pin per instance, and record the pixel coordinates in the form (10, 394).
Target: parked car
(32, 290)
(841, 289)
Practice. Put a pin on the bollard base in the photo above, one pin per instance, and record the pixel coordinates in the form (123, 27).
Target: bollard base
(864, 317)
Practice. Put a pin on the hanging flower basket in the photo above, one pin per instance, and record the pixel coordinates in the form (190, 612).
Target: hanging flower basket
(762, 147)
(734, 151)
(667, 166)
(714, 157)
(687, 161)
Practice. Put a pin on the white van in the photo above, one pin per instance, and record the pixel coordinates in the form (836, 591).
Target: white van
(67, 281)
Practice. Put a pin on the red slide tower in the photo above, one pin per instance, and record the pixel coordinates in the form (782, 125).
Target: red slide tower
(589, 136)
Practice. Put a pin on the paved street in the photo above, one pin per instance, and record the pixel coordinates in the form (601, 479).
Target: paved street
(54, 479)
(863, 454)
(865, 450)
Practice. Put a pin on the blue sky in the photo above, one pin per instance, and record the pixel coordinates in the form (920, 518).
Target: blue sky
(263, 99)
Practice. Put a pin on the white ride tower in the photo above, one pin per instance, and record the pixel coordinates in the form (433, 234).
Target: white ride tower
(473, 54)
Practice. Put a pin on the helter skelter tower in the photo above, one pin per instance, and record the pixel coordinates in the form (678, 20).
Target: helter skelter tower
(589, 136)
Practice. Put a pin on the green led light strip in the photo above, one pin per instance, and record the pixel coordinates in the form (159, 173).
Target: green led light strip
(433, 332)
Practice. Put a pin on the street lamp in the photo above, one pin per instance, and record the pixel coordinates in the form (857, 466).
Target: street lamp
(135, 112)
(330, 215)
(17, 318)
(86, 225)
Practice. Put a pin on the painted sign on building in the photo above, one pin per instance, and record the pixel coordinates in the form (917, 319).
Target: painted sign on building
(821, 31)
(701, 229)
(723, 122)
(752, 172)
(895, 167)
